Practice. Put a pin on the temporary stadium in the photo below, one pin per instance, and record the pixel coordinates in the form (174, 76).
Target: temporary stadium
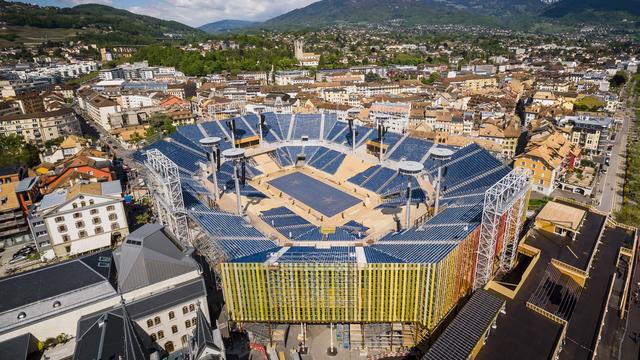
(311, 220)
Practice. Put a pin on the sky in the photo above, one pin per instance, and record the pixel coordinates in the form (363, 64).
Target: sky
(194, 12)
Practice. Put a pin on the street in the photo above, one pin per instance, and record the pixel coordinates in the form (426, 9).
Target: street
(611, 188)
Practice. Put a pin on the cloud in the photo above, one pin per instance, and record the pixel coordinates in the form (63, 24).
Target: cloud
(81, 2)
(199, 12)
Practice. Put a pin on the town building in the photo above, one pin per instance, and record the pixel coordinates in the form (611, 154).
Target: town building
(41, 127)
(79, 219)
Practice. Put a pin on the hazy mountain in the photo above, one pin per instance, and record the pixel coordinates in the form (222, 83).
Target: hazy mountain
(226, 25)
(514, 13)
(371, 11)
(98, 21)
(586, 10)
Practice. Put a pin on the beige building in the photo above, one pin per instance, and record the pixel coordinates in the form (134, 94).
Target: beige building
(40, 127)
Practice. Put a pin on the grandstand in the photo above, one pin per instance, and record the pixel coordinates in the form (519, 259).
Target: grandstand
(318, 240)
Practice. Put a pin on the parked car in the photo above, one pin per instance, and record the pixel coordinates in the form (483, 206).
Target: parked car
(17, 257)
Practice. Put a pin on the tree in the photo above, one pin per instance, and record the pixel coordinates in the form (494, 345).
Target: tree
(619, 79)
(431, 79)
(142, 218)
(160, 125)
(16, 151)
(371, 77)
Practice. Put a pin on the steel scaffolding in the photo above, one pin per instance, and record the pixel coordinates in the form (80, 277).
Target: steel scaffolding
(502, 214)
(164, 185)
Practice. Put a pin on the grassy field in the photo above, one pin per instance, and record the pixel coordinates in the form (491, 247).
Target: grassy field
(30, 36)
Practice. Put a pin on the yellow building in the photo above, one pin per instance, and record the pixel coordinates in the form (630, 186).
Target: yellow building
(547, 158)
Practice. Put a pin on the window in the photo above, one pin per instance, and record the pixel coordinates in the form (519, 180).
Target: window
(114, 226)
(171, 315)
(160, 334)
(156, 320)
(96, 220)
(168, 347)
(99, 230)
(65, 238)
(193, 321)
(113, 217)
(93, 211)
(82, 234)
(77, 215)
(91, 202)
(111, 208)
(153, 337)
(192, 307)
(62, 228)
(149, 323)
(79, 224)
(74, 205)
(174, 329)
(59, 219)
(185, 309)
(187, 324)
(83, 203)
(184, 339)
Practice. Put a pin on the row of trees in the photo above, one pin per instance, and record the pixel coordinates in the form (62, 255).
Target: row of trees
(630, 213)
(233, 60)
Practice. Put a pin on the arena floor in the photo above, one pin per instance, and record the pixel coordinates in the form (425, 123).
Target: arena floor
(321, 197)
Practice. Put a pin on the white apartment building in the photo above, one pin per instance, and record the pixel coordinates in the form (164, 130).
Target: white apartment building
(97, 107)
(42, 126)
(80, 219)
(134, 101)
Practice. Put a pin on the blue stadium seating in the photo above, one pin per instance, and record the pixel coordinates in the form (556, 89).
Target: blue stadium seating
(376, 256)
(236, 248)
(411, 149)
(301, 254)
(360, 178)
(271, 126)
(333, 166)
(191, 132)
(338, 133)
(285, 121)
(379, 179)
(224, 225)
(184, 141)
(330, 120)
(258, 258)
(182, 157)
(307, 125)
(428, 253)
(468, 168)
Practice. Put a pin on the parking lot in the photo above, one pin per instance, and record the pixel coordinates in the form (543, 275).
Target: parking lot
(7, 254)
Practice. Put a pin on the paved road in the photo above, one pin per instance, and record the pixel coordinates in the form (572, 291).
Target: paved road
(611, 185)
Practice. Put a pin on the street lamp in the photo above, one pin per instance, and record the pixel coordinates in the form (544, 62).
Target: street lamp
(212, 145)
(410, 169)
(236, 155)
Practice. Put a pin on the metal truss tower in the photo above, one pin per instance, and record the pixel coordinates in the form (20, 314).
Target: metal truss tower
(504, 204)
(165, 188)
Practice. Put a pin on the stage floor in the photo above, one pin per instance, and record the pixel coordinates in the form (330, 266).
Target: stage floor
(322, 197)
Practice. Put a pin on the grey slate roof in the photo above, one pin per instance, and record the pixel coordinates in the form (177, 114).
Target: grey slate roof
(203, 334)
(27, 183)
(23, 347)
(150, 305)
(467, 329)
(149, 256)
(52, 290)
(111, 336)
(111, 188)
(54, 199)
